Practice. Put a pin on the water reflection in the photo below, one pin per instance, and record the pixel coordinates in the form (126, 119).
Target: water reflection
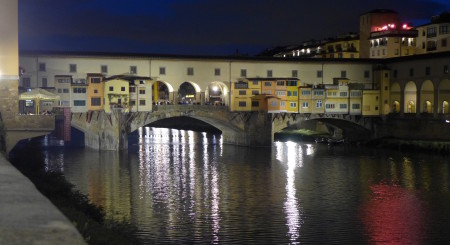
(183, 187)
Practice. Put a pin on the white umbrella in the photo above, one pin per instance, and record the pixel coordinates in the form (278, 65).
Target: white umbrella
(37, 95)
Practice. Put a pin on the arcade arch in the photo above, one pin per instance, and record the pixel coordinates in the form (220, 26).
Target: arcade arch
(444, 96)
(162, 92)
(189, 93)
(427, 96)
(396, 97)
(410, 97)
(216, 93)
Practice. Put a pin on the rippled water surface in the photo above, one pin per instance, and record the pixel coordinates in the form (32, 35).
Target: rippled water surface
(183, 187)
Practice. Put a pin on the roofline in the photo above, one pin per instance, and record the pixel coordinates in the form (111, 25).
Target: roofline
(194, 57)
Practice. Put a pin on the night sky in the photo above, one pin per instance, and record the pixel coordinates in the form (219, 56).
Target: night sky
(198, 27)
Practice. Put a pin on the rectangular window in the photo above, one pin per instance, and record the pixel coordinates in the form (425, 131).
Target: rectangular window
(132, 102)
(267, 84)
(44, 82)
(306, 92)
(95, 80)
(217, 72)
(96, 101)
(255, 103)
(329, 106)
(343, 73)
(162, 71)
(356, 106)
(73, 68)
(427, 70)
(243, 72)
(64, 80)
(318, 92)
(26, 82)
(141, 91)
(443, 29)
(281, 93)
(104, 69)
(294, 73)
(293, 104)
(273, 103)
(343, 106)
(95, 91)
(190, 71)
(242, 92)
(133, 69)
(132, 89)
(242, 104)
(305, 104)
(366, 74)
(282, 103)
(122, 89)
(111, 88)
(343, 94)
(319, 104)
(255, 82)
(79, 103)
(59, 90)
(280, 83)
(319, 73)
(269, 73)
(355, 94)
(66, 90)
(255, 92)
(291, 83)
(41, 66)
(79, 90)
(141, 102)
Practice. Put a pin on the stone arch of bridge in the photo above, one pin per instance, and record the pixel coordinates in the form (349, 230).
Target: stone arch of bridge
(351, 129)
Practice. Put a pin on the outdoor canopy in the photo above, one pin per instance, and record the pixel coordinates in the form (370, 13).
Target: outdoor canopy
(37, 95)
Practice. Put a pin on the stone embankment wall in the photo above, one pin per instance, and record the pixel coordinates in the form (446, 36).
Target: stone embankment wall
(26, 216)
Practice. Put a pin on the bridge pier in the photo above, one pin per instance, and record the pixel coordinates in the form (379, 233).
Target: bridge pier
(106, 131)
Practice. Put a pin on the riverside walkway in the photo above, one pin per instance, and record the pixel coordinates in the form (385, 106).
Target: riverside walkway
(26, 216)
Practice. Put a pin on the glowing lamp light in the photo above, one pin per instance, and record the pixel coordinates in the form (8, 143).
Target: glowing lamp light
(215, 88)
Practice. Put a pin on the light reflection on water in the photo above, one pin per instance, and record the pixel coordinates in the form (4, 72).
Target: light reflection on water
(181, 186)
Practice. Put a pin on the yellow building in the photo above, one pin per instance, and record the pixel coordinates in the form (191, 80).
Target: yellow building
(392, 40)
(337, 97)
(371, 103)
(305, 99)
(346, 46)
(292, 95)
(116, 94)
(240, 96)
(140, 89)
(435, 36)
(95, 92)
(318, 99)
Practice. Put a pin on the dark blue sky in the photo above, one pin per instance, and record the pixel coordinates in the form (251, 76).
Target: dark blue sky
(205, 27)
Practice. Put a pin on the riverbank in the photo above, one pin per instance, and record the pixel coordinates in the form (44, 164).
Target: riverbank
(88, 218)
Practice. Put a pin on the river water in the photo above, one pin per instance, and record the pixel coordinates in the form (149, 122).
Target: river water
(185, 187)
